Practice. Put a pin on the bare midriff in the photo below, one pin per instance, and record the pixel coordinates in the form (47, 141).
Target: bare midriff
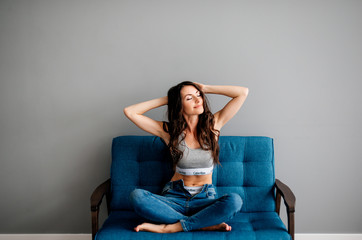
(193, 180)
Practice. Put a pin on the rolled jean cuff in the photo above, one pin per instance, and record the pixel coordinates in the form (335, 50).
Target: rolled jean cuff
(184, 225)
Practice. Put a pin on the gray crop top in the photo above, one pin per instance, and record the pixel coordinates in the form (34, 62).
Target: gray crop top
(194, 161)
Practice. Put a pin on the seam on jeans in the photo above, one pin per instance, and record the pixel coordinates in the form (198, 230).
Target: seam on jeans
(183, 225)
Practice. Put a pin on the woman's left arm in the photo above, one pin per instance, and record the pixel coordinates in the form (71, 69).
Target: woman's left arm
(238, 95)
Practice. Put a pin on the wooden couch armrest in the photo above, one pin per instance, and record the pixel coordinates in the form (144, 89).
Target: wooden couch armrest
(96, 200)
(284, 191)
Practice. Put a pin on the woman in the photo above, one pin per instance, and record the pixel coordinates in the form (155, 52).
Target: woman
(189, 201)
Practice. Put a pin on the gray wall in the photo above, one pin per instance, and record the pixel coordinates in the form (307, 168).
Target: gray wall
(68, 68)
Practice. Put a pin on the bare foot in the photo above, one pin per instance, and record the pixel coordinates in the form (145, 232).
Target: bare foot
(220, 227)
(159, 228)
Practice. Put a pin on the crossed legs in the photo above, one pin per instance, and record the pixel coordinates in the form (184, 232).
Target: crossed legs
(210, 218)
(177, 227)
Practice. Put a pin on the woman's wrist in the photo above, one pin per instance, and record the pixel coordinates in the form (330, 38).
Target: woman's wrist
(202, 87)
(205, 88)
(164, 100)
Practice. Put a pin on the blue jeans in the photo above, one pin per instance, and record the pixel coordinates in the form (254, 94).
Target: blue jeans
(176, 204)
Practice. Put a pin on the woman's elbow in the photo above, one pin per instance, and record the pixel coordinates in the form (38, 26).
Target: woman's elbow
(127, 111)
(246, 91)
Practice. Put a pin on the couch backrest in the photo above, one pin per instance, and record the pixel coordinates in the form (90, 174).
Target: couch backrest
(247, 169)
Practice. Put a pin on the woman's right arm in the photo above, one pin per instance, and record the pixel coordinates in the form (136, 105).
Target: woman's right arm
(135, 114)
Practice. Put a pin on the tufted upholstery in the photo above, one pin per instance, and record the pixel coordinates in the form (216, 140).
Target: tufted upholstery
(247, 169)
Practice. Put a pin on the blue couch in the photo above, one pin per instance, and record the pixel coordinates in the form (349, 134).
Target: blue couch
(247, 169)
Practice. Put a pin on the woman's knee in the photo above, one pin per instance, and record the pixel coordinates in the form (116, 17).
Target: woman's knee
(234, 201)
(137, 196)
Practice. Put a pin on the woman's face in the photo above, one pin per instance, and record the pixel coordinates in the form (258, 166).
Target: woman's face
(192, 101)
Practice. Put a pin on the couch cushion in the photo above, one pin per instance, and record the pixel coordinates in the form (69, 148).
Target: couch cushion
(137, 162)
(247, 169)
(246, 226)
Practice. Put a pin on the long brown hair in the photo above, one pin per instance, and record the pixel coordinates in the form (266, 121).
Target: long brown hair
(207, 136)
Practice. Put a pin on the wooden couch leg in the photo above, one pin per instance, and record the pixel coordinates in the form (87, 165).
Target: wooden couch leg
(277, 202)
(94, 223)
(291, 224)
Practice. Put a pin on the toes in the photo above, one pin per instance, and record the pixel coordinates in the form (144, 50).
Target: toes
(227, 227)
(138, 228)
